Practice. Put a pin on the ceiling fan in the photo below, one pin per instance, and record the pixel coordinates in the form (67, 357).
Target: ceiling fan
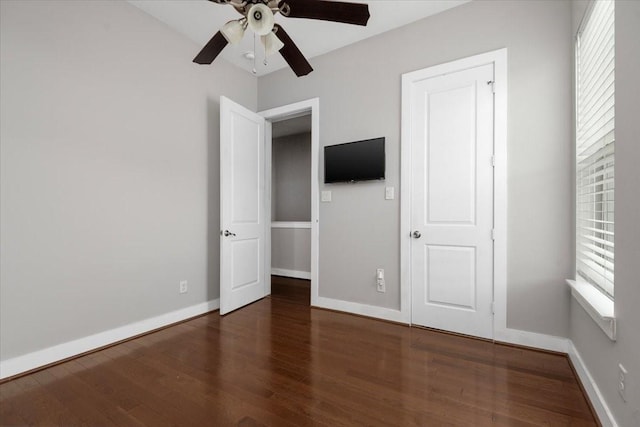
(258, 16)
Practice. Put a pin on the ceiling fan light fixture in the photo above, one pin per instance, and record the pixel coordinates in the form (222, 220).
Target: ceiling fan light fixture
(233, 31)
(271, 43)
(260, 18)
(258, 15)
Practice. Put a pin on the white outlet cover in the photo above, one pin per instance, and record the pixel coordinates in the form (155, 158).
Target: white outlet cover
(622, 381)
(325, 196)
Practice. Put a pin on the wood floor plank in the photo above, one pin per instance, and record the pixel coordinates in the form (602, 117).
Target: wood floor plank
(278, 362)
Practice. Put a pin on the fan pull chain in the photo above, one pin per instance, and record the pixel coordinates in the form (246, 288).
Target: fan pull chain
(254, 71)
(264, 45)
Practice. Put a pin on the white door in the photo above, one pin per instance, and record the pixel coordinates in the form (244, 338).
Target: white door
(242, 216)
(452, 201)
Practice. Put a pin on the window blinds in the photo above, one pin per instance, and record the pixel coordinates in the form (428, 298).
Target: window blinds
(595, 118)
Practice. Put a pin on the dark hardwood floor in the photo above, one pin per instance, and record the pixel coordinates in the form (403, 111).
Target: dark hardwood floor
(291, 290)
(278, 362)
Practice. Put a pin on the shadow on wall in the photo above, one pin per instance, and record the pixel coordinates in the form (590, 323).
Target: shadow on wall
(213, 199)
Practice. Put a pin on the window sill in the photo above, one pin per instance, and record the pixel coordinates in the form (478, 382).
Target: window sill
(598, 305)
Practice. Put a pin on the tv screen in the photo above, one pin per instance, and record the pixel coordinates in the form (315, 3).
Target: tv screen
(354, 161)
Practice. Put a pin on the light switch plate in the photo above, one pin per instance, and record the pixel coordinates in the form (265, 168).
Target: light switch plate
(326, 196)
(389, 193)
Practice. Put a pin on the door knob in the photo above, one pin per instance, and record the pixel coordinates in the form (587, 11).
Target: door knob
(416, 234)
(227, 233)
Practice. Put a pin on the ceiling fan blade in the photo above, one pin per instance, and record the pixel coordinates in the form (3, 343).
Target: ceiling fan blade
(336, 11)
(211, 50)
(292, 54)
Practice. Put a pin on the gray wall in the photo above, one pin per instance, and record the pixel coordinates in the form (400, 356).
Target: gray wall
(359, 91)
(291, 169)
(601, 355)
(109, 170)
(291, 249)
(291, 200)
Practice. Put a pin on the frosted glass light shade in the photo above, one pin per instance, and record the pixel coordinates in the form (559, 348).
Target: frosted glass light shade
(260, 19)
(271, 43)
(233, 31)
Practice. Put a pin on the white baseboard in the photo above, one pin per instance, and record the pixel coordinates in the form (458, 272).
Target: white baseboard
(291, 273)
(532, 339)
(360, 309)
(593, 392)
(36, 359)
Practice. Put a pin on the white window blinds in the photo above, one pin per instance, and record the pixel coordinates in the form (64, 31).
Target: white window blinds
(595, 118)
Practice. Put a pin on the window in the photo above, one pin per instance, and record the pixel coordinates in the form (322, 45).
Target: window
(595, 137)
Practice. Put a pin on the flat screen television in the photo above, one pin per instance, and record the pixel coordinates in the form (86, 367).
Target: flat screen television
(354, 161)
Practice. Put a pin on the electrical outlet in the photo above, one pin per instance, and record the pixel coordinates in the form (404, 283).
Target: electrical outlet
(184, 287)
(381, 286)
(622, 381)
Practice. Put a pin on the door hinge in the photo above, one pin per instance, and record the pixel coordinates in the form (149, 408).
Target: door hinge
(493, 307)
(493, 161)
(493, 234)
(493, 85)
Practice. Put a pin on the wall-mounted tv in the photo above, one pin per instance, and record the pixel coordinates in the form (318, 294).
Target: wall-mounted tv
(354, 161)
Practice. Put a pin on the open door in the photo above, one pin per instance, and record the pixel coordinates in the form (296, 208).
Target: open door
(242, 204)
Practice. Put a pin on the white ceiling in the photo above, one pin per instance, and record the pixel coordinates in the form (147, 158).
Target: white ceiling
(199, 20)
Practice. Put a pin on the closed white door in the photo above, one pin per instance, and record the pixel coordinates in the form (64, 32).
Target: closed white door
(242, 215)
(452, 201)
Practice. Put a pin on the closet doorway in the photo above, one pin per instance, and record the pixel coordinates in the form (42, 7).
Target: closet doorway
(291, 211)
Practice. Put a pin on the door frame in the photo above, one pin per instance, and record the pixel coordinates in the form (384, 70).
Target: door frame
(499, 59)
(310, 106)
